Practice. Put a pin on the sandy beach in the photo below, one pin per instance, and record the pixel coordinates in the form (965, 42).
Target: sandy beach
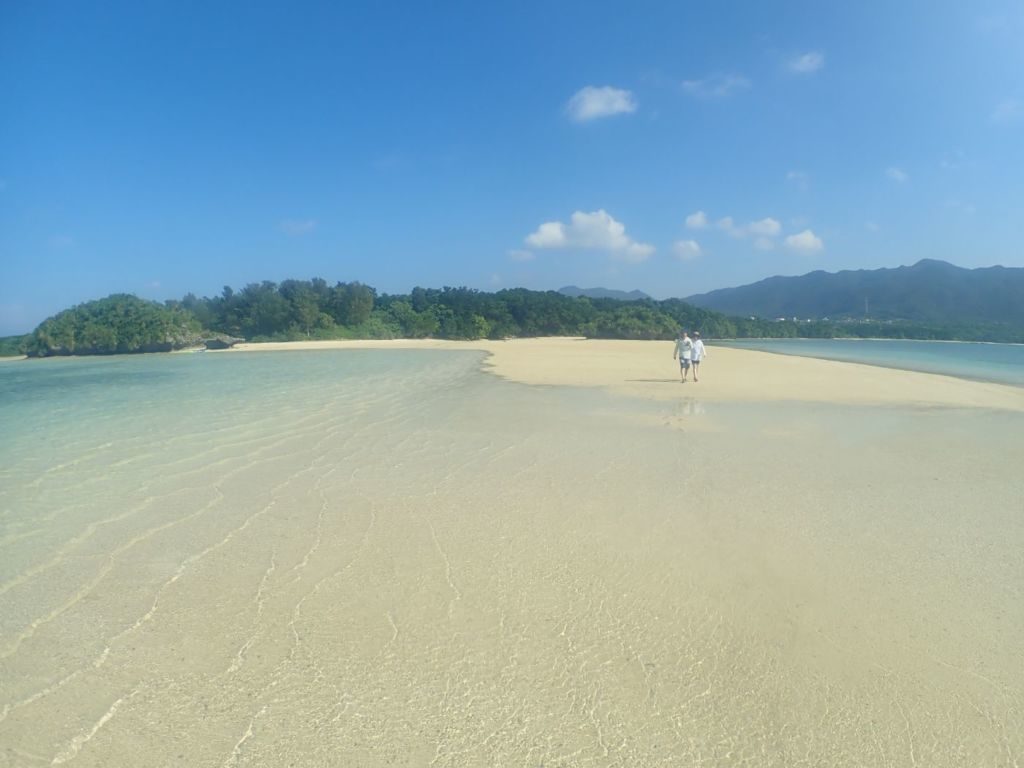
(645, 369)
(394, 559)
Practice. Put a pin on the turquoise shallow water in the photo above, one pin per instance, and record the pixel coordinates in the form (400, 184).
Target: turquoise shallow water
(1002, 363)
(391, 558)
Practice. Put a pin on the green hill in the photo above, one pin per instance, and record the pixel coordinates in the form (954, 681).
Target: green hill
(930, 291)
(117, 324)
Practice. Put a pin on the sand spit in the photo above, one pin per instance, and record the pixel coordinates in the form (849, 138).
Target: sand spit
(645, 369)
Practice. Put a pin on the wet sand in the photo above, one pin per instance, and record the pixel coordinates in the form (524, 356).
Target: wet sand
(646, 369)
(429, 567)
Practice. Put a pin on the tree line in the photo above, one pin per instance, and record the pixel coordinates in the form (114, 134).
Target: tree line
(314, 309)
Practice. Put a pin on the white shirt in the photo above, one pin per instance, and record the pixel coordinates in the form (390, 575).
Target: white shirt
(683, 348)
(698, 351)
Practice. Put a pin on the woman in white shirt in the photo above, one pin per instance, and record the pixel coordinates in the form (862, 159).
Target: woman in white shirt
(697, 354)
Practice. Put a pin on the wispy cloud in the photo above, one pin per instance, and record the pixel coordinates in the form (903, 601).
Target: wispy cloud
(766, 227)
(596, 231)
(805, 242)
(298, 227)
(799, 179)
(761, 230)
(716, 86)
(806, 63)
(686, 250)
(697, 220)
(897, 174)
(592, 103)
(1008, 111)
(521, 255)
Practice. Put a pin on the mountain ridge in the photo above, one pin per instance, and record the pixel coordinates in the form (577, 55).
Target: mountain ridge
(929, 290)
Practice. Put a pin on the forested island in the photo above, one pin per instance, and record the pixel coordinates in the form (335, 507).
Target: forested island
(314, 309)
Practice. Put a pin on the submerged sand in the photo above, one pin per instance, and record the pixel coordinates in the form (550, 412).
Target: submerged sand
(646, 369)
(437, 568)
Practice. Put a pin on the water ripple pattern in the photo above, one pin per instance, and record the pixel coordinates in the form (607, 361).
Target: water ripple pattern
(390, 558)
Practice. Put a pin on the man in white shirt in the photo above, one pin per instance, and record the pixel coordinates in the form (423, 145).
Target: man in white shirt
(683, 350)
(697, 353)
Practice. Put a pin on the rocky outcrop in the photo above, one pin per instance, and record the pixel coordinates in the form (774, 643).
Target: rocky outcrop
(222, 341)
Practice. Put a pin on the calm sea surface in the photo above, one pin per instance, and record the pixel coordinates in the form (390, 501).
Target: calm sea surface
(1003, 363)
(370, 558)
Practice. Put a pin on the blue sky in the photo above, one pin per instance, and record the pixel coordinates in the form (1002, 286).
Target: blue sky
(159, 148)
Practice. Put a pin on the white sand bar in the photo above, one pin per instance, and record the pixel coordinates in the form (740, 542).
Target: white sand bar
(646, 369)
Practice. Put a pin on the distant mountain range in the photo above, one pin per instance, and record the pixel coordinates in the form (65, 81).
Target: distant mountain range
(930, 291)
(602, 293)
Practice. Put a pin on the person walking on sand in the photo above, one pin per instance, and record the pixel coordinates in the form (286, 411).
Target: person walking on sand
(683, 350)
(697, 354)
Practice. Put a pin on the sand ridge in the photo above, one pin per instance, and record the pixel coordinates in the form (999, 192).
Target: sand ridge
(645, 369)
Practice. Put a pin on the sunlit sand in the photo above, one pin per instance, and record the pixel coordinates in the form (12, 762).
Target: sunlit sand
(646, 369)
(328, 559)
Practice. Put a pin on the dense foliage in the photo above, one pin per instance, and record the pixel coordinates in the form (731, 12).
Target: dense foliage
(13, 346)
(117, 324)
(313, 309)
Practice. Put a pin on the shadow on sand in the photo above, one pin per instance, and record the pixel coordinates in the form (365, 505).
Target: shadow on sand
(653, 381)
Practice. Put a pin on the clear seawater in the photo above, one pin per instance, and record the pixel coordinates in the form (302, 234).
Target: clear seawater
(392, 558)
(1002, 363)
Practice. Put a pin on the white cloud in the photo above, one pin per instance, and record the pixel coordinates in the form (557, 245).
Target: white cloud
(698, 220)
(596, 231)
(897, 174)
(519, 255)
(806, 63)
(1008, 111)
(762, 230)
(591, 103)
(806, 242)
(549, 235)
(685, 250)
(767, 227)
(871, 226)
(298, 227)
(764, 244)
(716, 86)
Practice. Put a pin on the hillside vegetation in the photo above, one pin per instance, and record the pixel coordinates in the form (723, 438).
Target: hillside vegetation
(120, 323)
(929, 292)
(314, 309)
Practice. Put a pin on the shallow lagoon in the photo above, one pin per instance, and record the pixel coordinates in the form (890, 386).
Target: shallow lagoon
(374, 558)
(1001, 363)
